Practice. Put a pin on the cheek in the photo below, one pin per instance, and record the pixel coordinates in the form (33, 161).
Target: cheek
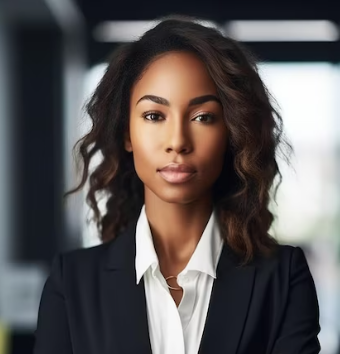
(143, 153)
(212, 150)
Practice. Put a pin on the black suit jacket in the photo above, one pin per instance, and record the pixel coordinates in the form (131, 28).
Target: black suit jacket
(91, 304)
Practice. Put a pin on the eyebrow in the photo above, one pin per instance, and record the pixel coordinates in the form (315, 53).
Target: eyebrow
(193, 102)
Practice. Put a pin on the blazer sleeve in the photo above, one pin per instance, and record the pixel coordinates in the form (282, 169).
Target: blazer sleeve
(52, 334)
(299, 330)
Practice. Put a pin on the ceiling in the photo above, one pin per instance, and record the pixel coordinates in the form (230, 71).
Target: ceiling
(220, 11)
(94, 12)
(99, 10)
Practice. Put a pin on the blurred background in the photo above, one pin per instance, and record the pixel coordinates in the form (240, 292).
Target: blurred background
(52, 55)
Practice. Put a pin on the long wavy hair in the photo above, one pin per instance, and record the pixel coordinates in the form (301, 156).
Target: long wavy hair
(243, 190)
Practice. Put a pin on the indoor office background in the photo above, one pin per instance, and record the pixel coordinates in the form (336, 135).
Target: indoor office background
(52, 55)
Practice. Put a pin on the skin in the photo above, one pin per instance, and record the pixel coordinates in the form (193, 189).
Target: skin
(179, 132)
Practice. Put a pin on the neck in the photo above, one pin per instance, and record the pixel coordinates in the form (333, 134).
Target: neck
(176, 228)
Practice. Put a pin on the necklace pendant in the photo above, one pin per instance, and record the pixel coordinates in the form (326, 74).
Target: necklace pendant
(171, 287)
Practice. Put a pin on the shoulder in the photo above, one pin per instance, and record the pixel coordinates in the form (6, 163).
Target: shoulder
(85, 256)
(282, 254)
(285, 260)
(82, 263)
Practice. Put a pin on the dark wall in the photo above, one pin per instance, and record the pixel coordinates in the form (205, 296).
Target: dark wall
(38, 112)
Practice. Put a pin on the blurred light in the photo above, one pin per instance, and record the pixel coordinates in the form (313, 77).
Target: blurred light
(127, 31)
(66, 13)
(211, 24)
(121, 31)
(279, 31)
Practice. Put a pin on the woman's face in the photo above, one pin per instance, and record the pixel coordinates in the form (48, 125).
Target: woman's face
(176, 117)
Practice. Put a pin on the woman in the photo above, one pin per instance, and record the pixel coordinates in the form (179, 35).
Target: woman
(188, 139)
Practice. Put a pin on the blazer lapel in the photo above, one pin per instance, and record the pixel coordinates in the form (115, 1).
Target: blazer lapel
(229, 304)
(123, 300)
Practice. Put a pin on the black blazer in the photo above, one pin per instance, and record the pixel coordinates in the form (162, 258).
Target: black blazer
(91, 304)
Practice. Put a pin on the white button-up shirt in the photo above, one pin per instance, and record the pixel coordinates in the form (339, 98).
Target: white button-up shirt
(177, 330)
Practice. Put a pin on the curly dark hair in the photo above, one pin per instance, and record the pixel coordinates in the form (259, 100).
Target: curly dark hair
(242, 192)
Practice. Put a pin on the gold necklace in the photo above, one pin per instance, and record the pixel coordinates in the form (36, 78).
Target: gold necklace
(171, 287)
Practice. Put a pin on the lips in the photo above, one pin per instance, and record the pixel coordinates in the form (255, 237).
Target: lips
(177, 173)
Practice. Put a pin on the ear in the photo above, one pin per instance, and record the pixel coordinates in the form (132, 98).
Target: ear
(127, 142)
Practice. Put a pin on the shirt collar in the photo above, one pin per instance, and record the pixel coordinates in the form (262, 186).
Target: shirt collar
(204, 258)
(145, 251)
(208, 249)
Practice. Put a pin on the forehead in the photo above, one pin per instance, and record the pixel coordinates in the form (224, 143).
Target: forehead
(177, 76)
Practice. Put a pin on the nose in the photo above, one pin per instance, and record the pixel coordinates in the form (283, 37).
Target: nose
(178, 137)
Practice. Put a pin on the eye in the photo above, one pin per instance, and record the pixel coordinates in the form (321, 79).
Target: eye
(204, 118)
(152, 116)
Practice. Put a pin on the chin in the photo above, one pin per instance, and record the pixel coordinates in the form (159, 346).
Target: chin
(183, 195)
(176, 200)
